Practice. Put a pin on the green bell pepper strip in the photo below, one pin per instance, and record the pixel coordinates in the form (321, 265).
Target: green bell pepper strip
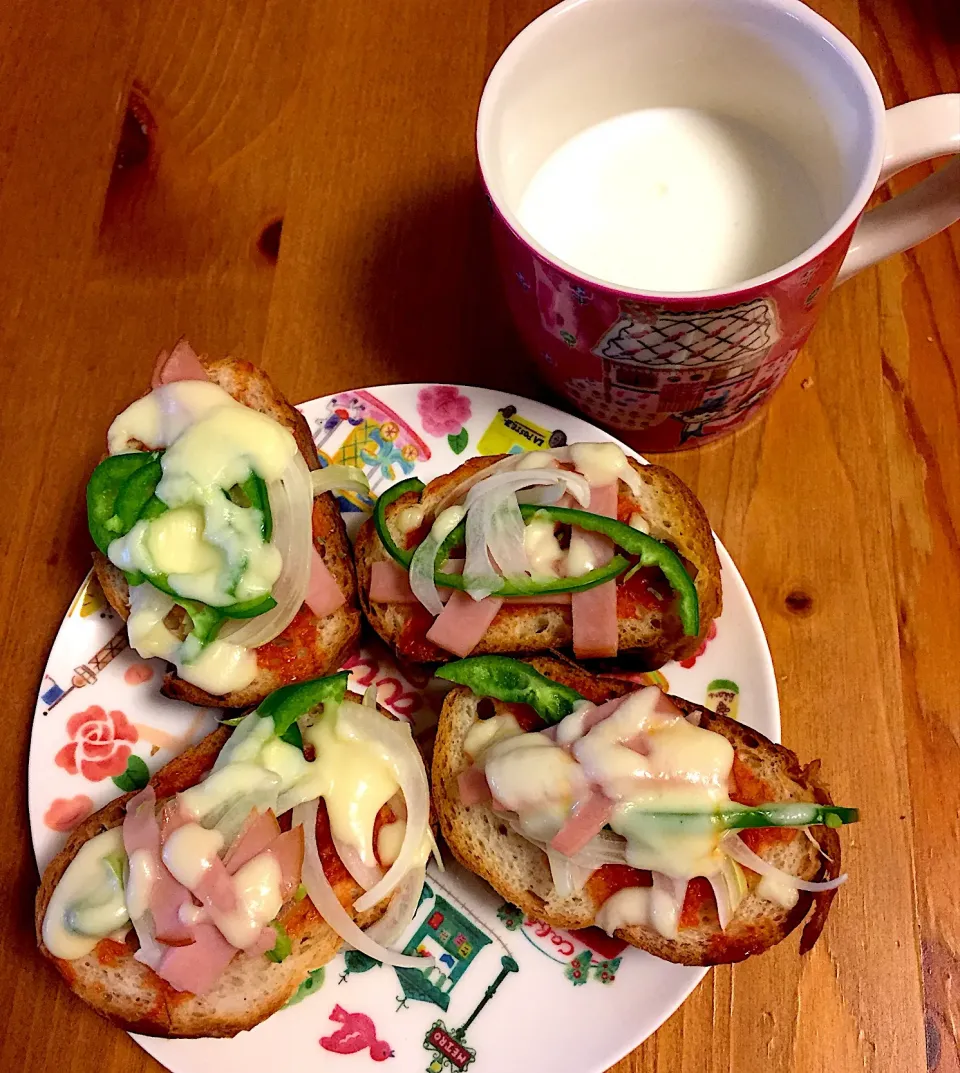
(651, 553)
(259, 605)
(283, 948)
(514, 682)
(636, 822)
(103, 488)
(255, 489)
(391, 495)
(134, 495)
(286, 704)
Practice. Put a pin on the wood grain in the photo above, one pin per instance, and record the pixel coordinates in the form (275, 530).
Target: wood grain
(353, 125)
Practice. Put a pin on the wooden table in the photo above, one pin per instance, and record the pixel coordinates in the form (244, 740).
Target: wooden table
(149, 151)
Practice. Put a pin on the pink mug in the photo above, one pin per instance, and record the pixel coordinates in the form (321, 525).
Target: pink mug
(668, 369)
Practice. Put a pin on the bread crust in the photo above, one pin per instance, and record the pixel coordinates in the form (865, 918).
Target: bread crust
(520, 873)
(309, 647)
(647, 639)
(134, 997)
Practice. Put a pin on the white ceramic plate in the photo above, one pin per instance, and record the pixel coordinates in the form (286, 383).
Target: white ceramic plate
(510, 994)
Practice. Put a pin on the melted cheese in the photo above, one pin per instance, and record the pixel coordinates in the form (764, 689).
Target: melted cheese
(159, 418)
(600, 463)
(530, 770)
(220, 667)
(684, 768)
(142, 875)
(189, 853)
(257, 886)
(390, 840)
(775, 888)
(581, 557)
(409, 518)
(542, 547)
(643, 759)
(486, 732)
(354, 782)
(87, 903)
(210, 548)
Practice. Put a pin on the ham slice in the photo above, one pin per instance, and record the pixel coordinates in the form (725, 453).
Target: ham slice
(595, 631)
(197, 967)
(172, 817)
(181, 363)
(602, 711)
(258, 831)
(141, 831)
(287, 851)
(473, 787)
(665, 706)
(462, 623)
(588, 818)
(323, 595)
(390, 584)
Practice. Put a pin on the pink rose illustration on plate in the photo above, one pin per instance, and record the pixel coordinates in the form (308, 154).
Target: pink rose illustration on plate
(65, 813)
(444, 412)
(100, 745)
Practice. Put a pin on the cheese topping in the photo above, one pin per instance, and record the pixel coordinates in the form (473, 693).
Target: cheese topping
(390, 840)
(257, 887)
(600, 463)
(485, 732)
(89, 883)
(529, 768)
(189, 853)
(542, 547)
(209, 548)
(776, 889)
(643, 757)
(409, 518)
(140, 881)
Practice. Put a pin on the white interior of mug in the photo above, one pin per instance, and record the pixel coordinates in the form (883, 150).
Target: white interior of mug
(774, 64)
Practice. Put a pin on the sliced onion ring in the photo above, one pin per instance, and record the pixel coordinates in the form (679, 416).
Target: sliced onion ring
(328, 905)
(339, 478)
(291, 502)
(568, 878)
(423, 565)
(401, 910)
(367, 875)
(733, 846)
(576, 484)
(458, 491)
(394, 741)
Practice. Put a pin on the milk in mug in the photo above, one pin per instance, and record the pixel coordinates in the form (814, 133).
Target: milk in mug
(672, 199)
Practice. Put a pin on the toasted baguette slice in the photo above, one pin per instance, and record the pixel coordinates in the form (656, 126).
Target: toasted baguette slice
(309, 647)
(648, 638)
(519, 871)
(132, 996)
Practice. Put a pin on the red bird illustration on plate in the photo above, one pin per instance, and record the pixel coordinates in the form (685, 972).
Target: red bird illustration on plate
(357, 1034)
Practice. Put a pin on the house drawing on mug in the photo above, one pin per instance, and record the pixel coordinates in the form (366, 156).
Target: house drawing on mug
(662, 362)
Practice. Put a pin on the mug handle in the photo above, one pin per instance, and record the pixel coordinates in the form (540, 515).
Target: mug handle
(916, 131)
